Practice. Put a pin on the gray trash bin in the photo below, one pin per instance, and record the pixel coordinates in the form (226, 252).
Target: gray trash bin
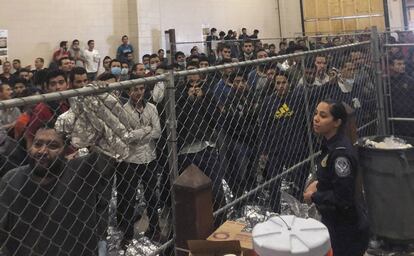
(389, 189)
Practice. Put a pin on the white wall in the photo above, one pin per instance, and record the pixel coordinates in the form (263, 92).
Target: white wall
(37, 26)
(396, 15)
(189, 17)
(149, 19)
(290, 17)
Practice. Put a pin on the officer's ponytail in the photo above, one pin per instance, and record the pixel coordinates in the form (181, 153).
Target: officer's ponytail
(338, 111)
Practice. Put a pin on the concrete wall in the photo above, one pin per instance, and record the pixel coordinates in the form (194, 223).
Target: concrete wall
(37, 27)
(149, 19)
(189, 17)
(290, 17)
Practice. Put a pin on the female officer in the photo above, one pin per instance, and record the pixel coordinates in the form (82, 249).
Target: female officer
(334, 191)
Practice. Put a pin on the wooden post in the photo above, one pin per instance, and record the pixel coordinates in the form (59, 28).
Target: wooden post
(193, 207)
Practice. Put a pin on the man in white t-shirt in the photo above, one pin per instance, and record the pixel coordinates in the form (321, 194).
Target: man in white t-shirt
(93, 60)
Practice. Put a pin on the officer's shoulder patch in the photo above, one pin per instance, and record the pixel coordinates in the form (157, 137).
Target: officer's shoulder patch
(342, 167)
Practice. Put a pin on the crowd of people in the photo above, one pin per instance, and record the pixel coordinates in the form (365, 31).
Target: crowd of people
(229, 122)
(400, 76)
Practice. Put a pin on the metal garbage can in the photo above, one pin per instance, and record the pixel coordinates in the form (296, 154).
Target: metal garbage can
(388, 178)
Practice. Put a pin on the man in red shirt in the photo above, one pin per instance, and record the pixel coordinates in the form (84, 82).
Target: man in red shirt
(45, 112)
(62, 52)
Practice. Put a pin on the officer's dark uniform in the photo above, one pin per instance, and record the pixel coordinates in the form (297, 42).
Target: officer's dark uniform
(335, 197)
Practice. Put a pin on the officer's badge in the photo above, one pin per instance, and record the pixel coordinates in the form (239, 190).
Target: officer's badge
(324, 161)
(342, 167)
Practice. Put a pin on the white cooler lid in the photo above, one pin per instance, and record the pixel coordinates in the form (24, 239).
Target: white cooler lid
(306, 237)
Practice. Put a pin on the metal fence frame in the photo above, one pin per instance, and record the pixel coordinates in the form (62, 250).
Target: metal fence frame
(307, 38)
(312, 157)
(170, 107)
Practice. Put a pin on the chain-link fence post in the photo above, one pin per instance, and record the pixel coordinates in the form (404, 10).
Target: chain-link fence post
(170, 43)
(172, 126)
(376, 59)
(387, 82)
(308, 115)
(266, 113)
(172, 139)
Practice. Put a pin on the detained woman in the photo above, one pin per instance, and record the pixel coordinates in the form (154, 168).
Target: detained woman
(334, 191)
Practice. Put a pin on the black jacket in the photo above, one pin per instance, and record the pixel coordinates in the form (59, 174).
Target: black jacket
(12, 154)
(59, 218)
(239, 118)
(197, 119)
(402, 102)
(283, 124)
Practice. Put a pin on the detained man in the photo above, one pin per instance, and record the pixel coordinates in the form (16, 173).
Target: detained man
(93, 125)
(238, 128)
(11, 154)
(282, 137)
(48, 206)
(197, 118)
(141, 165)
(8, 116)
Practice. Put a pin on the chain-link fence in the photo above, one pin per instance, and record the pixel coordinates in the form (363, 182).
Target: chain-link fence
(398, 63)
(88, 165)
(260, 114)
(273, 46)
(210, 46)
(89, 170)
